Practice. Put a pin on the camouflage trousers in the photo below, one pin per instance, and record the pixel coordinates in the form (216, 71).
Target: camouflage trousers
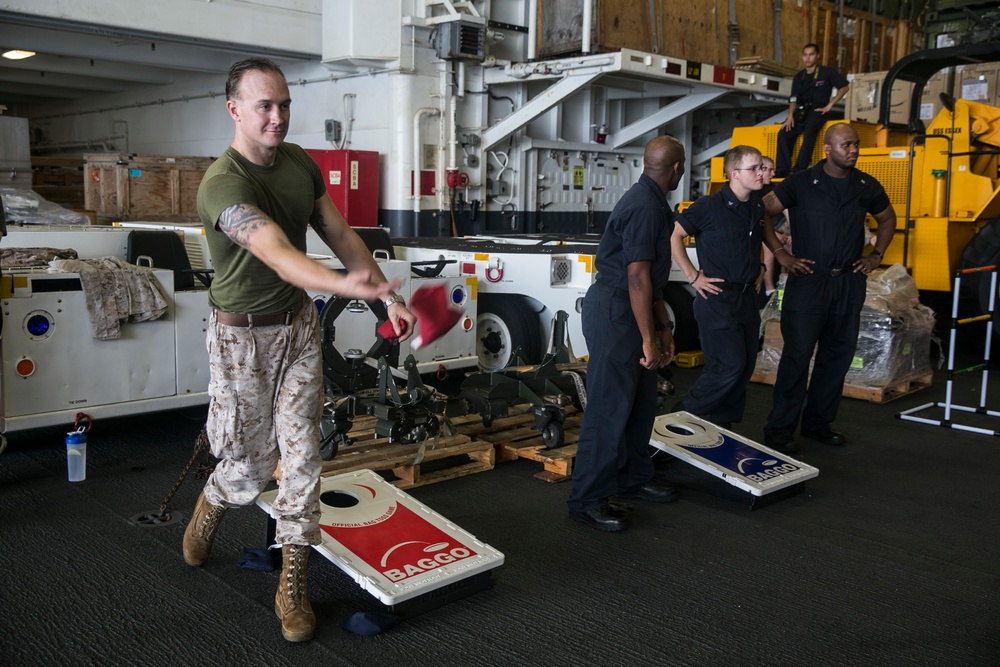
(266, 392)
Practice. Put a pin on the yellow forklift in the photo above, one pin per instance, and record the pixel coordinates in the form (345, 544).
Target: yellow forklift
(942, 179)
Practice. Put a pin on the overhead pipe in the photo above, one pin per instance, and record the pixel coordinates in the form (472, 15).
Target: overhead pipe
(588, 17)
(453, 175)
(420, 113)
(452, 138)
(524, 70)
(532, 29)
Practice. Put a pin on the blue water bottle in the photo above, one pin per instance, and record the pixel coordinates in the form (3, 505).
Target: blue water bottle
(76, 455)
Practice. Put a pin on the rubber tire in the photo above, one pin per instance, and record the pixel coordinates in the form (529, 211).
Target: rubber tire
(553, 435)
(680, 307)
(510, 318)
(982, 250)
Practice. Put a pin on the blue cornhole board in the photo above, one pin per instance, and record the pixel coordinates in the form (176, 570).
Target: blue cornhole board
(729, 456)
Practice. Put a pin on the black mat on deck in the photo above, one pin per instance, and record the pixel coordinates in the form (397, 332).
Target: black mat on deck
(890, 557)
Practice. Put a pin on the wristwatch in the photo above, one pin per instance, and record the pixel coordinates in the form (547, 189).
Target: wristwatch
(395, 298)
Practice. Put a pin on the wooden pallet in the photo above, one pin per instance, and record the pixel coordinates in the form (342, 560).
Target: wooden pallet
(514, 438)
(885, 394)
(444, 458)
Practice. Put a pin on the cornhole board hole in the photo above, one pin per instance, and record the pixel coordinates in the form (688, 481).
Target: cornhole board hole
(757, 471)
(405, 554)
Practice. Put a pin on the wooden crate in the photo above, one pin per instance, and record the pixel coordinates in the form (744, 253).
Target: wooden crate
(679, 30)
(143, 187)
(891, 39)
(59, 180)
(687, 30)
(892, 391)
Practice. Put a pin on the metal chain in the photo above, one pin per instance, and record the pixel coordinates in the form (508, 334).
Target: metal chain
(201, 444)
(581, 391)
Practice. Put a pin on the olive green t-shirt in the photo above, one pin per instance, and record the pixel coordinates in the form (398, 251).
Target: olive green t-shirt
(287, 192)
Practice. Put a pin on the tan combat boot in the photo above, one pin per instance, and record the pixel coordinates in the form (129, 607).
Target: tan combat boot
(201, 531)
(298, 622)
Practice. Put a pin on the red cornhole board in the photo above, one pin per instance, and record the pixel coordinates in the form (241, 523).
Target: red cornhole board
(394, 546)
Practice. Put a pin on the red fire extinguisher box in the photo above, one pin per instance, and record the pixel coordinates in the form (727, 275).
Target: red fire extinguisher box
(351, 179)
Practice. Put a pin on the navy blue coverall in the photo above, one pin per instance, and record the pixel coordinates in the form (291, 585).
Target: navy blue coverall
(612, 455)
(811, 92)
(728, 235)
(821, 310)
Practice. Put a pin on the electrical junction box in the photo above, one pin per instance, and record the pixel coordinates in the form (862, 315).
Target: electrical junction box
(331, 130)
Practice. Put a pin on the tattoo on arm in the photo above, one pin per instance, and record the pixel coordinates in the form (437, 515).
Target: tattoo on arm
(771, 203)
(317, 222)
(239, 222)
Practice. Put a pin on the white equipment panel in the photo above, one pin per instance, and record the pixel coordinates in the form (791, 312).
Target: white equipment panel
(727, 455)
(73, 371)
(392, 545)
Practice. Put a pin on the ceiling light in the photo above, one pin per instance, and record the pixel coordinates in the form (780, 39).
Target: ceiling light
(17, 54)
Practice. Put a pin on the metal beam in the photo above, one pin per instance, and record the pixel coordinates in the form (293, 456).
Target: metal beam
(38, 78)
(97, 69)
(277, 28)
(677, 108)
(37, 92)
(148, 51)
(538, 105)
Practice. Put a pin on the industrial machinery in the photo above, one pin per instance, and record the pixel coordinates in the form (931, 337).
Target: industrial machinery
(517, 301)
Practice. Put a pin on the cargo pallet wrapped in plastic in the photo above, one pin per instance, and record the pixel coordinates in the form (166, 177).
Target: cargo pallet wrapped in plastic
(893, 344)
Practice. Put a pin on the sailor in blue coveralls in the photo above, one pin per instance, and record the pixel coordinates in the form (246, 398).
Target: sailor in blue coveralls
(808, 109)
(825, 289)
(629, 336)
(728, 227)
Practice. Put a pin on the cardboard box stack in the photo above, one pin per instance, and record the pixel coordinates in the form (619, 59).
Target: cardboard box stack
(864, 96)
(979, 83)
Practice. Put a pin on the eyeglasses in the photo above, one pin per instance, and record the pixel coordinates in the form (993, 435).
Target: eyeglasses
(757, 168)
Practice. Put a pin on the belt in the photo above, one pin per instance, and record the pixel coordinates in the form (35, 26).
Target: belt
(833, 272)
(252, 320)
(735, 287)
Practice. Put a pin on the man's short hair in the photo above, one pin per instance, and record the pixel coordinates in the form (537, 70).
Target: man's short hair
(814, 47)
(835, 129)
(734, 157)
(237, 71)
